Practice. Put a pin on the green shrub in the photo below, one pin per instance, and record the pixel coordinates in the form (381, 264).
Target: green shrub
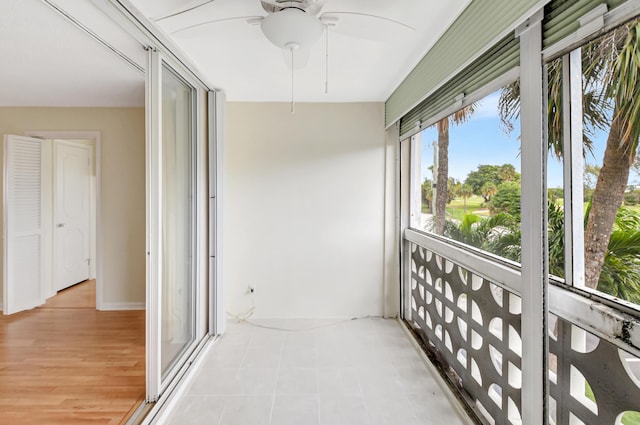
(631, 199)
(506, 200)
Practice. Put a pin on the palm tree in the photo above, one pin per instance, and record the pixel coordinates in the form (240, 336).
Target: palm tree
(623, 87)
(507, 173)
(465, 191)
(427, 195)
(458, 117)
(488, 190)
(611, 94)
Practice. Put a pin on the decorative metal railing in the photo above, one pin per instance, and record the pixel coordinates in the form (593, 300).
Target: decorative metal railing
(467, 309)
(592, 381)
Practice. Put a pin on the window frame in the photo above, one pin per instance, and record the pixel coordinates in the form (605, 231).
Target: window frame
(413, 169)
(573, 165)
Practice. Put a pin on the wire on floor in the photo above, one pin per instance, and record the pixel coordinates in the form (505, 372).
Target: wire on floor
(244, 318)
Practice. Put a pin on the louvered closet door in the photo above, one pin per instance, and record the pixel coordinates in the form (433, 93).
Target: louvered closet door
(23, 224)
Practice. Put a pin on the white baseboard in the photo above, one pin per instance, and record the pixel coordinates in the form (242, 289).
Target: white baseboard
(121, 306)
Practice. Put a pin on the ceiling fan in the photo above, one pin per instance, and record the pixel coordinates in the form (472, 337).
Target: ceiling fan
(295, 26)
(300, 22)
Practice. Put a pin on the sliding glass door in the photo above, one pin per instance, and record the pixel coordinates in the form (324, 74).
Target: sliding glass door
(172, 212)
(177, 204)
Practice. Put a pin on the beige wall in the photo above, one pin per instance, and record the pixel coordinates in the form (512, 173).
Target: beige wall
(122, 158)
(304, 212)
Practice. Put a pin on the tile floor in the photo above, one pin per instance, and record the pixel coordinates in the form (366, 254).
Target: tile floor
(357, 372)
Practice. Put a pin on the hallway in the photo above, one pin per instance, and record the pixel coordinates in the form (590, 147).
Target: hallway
(66, 363)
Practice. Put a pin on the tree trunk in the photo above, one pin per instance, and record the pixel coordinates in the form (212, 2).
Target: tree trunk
(443, 175)
(607, 198)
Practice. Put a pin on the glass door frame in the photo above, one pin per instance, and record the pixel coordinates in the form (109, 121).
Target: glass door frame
(156, 383)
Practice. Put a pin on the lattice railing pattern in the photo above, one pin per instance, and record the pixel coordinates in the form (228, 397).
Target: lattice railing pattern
(474, 326)
(591, 381)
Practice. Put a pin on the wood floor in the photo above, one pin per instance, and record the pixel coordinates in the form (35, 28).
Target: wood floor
(66, 363)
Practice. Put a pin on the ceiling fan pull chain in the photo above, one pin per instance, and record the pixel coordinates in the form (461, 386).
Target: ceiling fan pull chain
(326, 60)
(292, 47)
(292, 104)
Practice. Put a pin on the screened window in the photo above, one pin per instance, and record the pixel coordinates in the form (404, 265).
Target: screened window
(593, 172)
(466, 175)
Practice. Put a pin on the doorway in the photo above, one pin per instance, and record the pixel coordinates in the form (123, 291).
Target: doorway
(75, 202)
(50, 206)
(72, 212)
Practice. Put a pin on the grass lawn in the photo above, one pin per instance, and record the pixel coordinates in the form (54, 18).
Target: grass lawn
(456, 208)
(634, 208)
(629, 418)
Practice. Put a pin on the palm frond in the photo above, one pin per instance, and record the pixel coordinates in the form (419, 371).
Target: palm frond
(624, 243)
(627, 220)
(509, 106)
(555, 229)
(625, 89)
(499, 234)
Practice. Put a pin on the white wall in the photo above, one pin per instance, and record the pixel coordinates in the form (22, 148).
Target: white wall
(122, 190)
(304, 215)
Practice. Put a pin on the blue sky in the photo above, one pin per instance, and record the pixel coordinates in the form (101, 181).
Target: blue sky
(482, 141)
(479, 141)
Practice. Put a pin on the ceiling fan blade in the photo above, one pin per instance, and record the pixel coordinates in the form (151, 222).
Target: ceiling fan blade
(368, 27)
(300, 58)
(184, 10)
(227, 26)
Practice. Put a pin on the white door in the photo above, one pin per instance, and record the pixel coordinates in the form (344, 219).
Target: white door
(23, 224)
(71, 212)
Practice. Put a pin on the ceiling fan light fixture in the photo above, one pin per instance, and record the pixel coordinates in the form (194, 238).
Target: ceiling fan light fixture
(292, 26)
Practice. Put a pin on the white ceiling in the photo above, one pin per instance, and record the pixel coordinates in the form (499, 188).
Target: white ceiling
(368, 57)
(48, 61)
